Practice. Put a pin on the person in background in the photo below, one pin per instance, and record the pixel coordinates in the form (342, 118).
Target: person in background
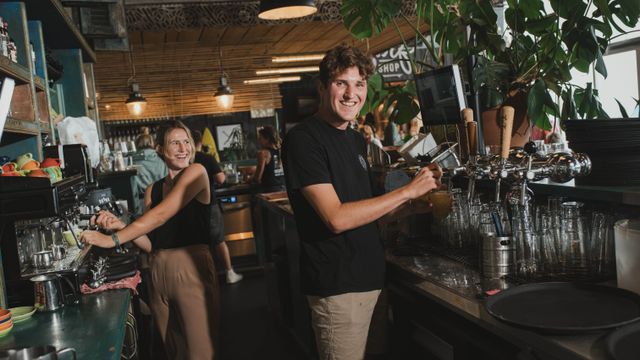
(216, 177)
(184, 292)
(370, 136)
(368, 131)
(151, 169)
(342, 260)
(269, 173)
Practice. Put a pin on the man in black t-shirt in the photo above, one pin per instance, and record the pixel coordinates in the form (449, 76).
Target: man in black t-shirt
(327, 178)
(216, 177)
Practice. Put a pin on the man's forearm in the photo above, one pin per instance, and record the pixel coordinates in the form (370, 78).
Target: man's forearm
(351, 215)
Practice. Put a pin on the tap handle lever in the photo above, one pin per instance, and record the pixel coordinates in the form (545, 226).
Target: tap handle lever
(507, 126)
(472, 134)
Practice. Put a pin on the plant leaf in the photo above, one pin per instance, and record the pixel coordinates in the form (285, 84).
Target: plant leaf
(536, 99)
(600, 65)
(622, 110)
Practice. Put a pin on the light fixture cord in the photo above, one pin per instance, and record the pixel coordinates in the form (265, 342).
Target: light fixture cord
(222, 73)
(133, 67)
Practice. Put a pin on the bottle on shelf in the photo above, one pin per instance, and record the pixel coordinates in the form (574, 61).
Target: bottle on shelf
(4, 39)
(13, 51)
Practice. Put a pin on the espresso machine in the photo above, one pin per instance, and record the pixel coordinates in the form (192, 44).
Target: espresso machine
(42, 221)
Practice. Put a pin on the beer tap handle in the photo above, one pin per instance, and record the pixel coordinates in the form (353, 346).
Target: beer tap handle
(471, 126)
(467, 115)
(472, 137)
(507, 127)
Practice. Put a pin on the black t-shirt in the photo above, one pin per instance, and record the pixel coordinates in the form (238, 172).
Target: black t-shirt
(314, 152)
(273, 174)
(212, 167)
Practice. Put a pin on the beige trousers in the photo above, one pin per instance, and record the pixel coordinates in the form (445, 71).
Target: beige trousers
(341, 324)
(185, 301)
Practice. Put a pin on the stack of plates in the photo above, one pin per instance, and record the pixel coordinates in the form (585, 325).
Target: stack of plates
(6, 324)
(22, 313)
(613, 146)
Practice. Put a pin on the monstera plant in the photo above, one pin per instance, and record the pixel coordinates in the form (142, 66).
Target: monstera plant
(532, 61)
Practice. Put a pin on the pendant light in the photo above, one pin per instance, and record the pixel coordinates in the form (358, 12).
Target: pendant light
(285, 9)
(136, 103)
(224, 95)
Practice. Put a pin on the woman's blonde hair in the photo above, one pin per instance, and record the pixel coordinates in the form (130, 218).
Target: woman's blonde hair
(168, 126)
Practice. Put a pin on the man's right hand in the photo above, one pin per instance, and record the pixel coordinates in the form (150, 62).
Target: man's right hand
(108, 221)
(422, 183)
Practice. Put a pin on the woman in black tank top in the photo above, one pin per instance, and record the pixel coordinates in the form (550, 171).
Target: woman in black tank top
(175, 229)
(269, 172)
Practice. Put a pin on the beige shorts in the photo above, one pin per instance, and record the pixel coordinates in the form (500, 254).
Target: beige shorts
(341, 324)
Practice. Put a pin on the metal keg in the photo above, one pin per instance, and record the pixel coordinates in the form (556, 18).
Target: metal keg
(498, 256)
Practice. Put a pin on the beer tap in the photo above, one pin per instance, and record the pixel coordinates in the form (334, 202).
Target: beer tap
(472, 149)
(507, 113)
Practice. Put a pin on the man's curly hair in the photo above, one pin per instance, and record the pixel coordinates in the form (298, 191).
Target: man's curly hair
(340, 59)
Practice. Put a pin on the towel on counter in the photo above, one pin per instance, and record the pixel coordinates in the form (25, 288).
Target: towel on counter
(130, 282)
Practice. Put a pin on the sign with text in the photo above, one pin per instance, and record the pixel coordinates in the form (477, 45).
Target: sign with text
(394, 64)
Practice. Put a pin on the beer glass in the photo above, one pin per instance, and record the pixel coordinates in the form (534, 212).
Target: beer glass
(574, 239)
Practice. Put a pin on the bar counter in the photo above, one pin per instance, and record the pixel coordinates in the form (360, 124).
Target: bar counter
(434, 300)
(448, 286)
(95, 327)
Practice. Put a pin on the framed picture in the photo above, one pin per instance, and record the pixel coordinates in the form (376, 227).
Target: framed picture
(228, 135)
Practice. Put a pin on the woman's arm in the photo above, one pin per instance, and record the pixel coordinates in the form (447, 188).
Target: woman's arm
(219, 178)
(143, 242)
(263, 160)
(192, 183)
(108, 221)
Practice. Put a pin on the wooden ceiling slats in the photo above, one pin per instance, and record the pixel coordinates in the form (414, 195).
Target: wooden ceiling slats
(211, 35)
(191, 35)
(152, 37)
(178, 71)
(233, 35)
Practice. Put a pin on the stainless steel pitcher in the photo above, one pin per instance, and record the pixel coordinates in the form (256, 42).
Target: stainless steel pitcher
(49, 295)
(35, 353)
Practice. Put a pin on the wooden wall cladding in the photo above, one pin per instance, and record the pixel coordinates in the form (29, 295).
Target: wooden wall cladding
(178, 71)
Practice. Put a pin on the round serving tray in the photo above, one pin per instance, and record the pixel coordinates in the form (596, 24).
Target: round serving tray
(565, 308)
(622, 344)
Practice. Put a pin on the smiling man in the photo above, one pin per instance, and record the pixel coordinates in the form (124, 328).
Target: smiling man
(341, 253)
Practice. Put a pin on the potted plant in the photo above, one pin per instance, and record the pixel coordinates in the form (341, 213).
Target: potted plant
(523, 66)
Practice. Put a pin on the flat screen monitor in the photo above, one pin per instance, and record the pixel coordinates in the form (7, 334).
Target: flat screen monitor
(441, 95)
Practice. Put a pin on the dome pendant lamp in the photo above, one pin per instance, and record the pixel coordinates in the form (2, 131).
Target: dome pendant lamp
(136, 103)
(285, 9)
(224, 95)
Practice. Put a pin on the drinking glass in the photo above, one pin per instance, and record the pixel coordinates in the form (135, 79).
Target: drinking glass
(574, 239)
(441, 201)
(458, 220)
(549, 252)
(601, 246)
(527, 248)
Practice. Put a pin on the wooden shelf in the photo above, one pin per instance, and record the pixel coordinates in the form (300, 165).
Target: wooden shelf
(15, 71)
(39, 83)
(61, 32)
(627, 195)
(22, 126)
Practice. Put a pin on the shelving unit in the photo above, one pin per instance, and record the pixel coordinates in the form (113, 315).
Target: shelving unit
(35, 102)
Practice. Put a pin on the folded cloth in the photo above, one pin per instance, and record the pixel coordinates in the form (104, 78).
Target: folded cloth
(130, 282)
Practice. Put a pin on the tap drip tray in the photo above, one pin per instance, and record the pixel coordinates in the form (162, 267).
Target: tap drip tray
(564, 307)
